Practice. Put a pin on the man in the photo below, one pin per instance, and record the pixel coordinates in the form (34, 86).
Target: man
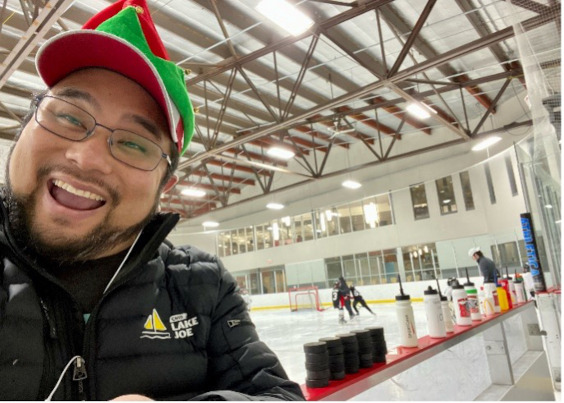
(487, 266)
(359, 299)
(94, 302)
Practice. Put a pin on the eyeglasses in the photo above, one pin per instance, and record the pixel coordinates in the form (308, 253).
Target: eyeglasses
(73, 123)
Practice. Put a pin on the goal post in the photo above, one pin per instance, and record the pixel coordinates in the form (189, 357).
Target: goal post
(302, 298)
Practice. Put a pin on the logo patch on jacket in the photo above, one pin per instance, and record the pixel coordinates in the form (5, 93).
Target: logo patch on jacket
(180, 324)
(155, 328)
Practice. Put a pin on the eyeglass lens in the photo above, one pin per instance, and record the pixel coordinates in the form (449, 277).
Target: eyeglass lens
(69, 121)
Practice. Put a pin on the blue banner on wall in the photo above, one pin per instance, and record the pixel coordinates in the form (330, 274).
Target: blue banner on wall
(533, 259)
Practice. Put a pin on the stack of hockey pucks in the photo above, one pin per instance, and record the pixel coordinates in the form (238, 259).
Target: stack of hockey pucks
(317, 365)
(336, 357)
(350, 351)
(379, 349)
(364, 347)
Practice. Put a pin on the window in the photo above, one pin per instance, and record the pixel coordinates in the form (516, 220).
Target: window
(344, 216)
(357, 216)
(250, 241)
(419, 201)
(445, 192)
(334, 270)
(223, 241)
(390, 266)
(234, 242)
(467, 190)
(307, 225)
(490, 182)
(376, 267)
(287, 230)
(363, 265)
(332, 220)
(511, 175)
(273, 280)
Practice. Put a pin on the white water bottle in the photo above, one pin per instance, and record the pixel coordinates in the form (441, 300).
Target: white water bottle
(447, 314)
(491, 300)
(434, 312)
(520, 295)
(472, 301)
(460, 304)
(406, 321)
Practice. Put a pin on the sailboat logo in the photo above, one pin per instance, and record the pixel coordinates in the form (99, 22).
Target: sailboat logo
(155, 328)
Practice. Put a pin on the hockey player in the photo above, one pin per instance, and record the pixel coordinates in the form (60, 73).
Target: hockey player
(358, 299)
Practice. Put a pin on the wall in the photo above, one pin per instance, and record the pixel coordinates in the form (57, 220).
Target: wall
(500, 218)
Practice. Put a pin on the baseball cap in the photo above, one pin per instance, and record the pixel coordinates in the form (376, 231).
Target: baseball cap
(123, 38)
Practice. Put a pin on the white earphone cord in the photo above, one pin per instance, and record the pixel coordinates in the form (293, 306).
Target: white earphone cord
(61, 377)
(106, 289)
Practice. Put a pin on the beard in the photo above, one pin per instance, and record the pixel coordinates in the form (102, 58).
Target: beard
(40, 243)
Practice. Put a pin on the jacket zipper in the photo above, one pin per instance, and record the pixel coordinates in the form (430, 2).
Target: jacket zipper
(79, 375)
(47, 379)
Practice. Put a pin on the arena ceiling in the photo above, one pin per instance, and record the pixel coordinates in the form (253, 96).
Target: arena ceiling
(346, 82)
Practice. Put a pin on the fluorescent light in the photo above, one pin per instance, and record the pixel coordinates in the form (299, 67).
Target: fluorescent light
(275, 206)
(351, 184)
(486, 143)
(285, 15)
(281, 153)
(210, 224)
(193, 192)
(446, 201)
(420, 110)
(548, 206)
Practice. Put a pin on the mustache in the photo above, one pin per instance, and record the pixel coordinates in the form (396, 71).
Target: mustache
(44, 171)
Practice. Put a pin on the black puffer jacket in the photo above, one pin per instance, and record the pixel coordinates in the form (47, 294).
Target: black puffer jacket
(171, 327)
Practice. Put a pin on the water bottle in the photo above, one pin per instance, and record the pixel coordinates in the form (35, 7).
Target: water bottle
(511, 287)
(406, 320)
(491, 300)
(505, 296)
(481, 298)
(472, 297)
(447, 313)
(460, 304)
(520, 294)
(434, 312)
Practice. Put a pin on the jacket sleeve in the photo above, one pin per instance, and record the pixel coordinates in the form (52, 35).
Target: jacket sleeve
(241, 367)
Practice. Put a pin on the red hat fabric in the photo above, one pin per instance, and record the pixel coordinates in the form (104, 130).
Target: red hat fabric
(123, 38)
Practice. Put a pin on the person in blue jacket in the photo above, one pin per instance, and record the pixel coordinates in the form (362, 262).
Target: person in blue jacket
(95, 303)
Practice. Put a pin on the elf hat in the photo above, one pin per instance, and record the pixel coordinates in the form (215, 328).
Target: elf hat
(123, 38)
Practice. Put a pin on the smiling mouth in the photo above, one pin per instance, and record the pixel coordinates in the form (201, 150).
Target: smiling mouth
(76, 199)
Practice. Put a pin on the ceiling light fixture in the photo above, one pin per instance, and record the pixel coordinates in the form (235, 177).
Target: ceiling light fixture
(210, 224)
(285, 15)
(275, 206)
(350, 184)
(281, 153)
(486, 143)
(191, 192)
(420, 110)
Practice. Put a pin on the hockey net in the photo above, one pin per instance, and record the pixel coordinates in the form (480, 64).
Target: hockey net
(302, 298)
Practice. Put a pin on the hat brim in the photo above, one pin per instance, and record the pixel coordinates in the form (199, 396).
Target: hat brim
(75, 50)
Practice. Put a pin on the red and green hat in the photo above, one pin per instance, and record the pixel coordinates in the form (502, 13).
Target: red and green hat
(123, 38)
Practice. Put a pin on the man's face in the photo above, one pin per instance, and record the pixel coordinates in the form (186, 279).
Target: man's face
(74, 194)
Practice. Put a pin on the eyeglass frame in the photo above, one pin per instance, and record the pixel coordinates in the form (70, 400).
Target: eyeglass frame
(37, 101)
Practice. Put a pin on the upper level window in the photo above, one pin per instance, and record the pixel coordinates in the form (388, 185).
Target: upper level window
(419, 201)
(489, 181)
(511, 175)
(445, 192)
(467, 190)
